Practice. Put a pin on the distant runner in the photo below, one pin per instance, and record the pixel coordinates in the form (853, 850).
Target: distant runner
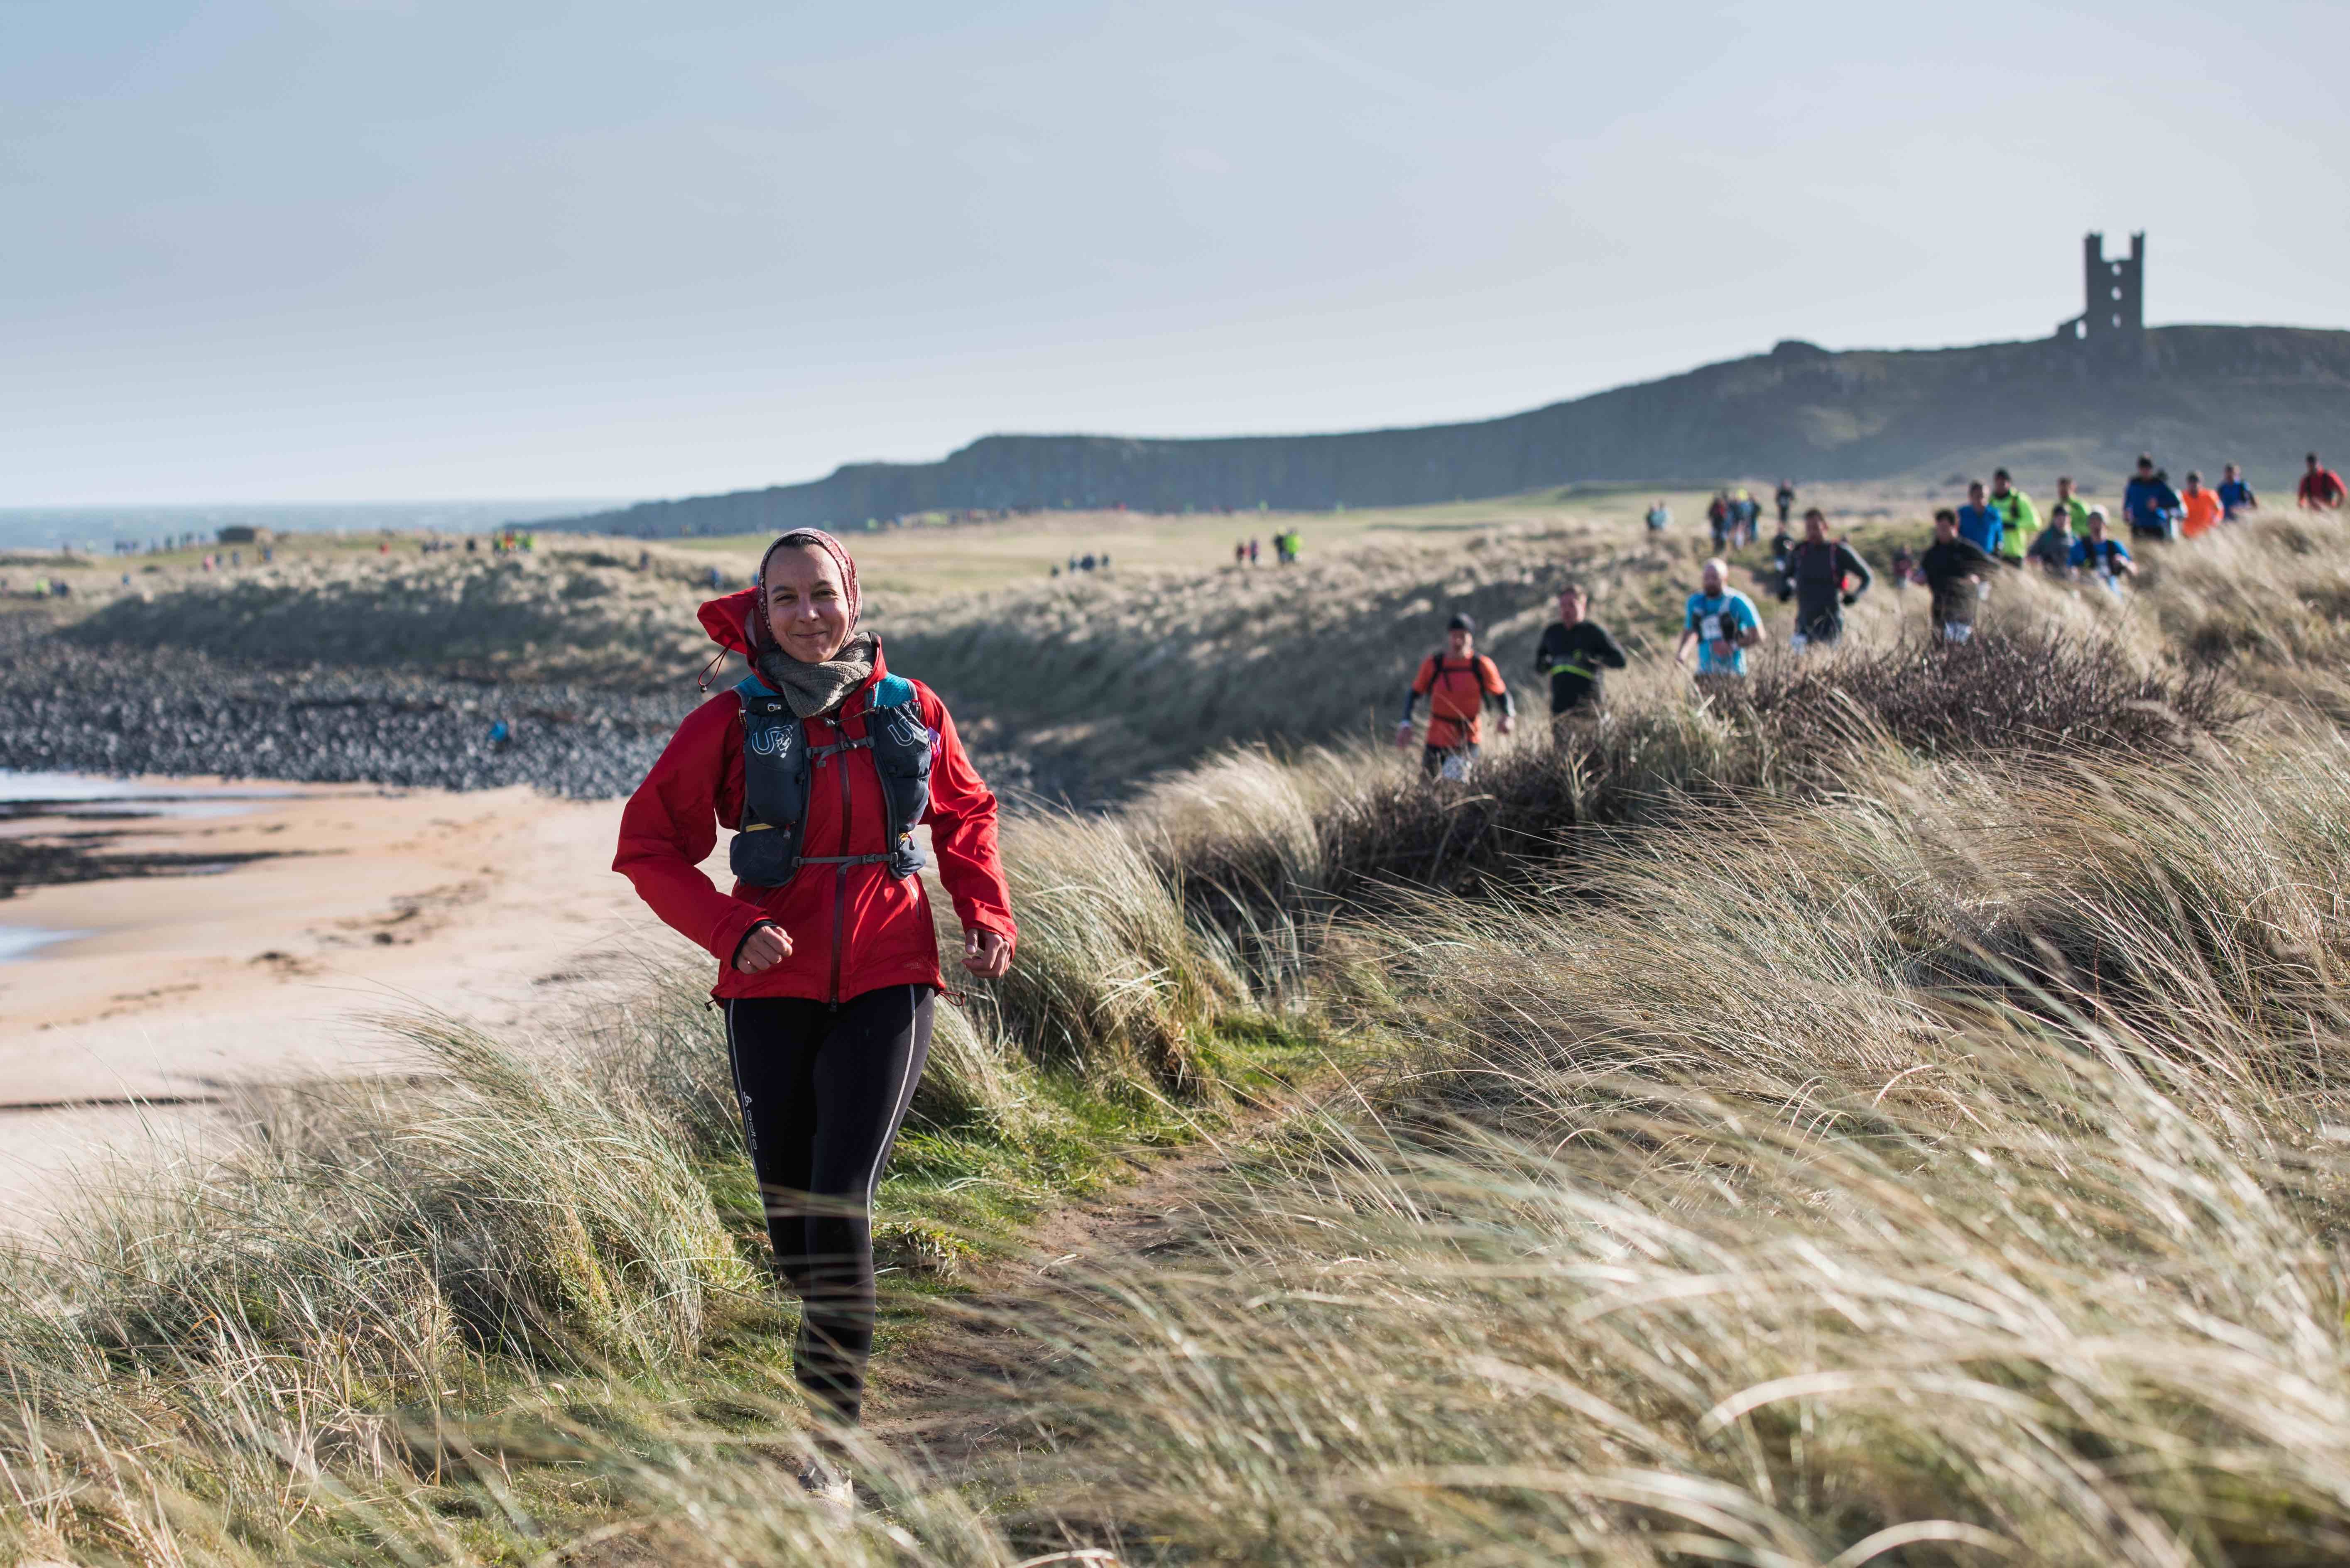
(1571, 652)
(1979, 524)
(1818, 568)
(2074, 510)
(2019, 520)
(1458, 682)
(1782, 548)
(2198, 508)
(1661, 516)
(2149, 503)
(2053, 550)
(2235, 495)
(2107, 559)
(1786, 500)
(1722, 622)
(1955, 568)
(2320, 487)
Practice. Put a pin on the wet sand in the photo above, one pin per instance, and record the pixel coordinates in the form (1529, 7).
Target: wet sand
(130, 1006)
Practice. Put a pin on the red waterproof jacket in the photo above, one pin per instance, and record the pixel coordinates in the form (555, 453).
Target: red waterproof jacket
(853, 928)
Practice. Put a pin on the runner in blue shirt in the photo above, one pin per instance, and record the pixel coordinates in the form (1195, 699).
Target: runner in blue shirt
(1721, 621)
(1980, 525)
(2149, 503)
(2235, 495)
(2108, 559)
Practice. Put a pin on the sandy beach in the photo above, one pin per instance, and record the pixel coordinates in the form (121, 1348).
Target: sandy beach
(130, 1007)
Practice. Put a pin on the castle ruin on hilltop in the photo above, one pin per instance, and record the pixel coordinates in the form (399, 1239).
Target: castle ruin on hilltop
(2114, 295)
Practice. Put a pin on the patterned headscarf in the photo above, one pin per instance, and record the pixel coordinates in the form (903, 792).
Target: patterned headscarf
(762, 635)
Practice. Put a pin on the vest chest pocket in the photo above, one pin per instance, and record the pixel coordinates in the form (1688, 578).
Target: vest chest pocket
(764, 856)
(767, 851)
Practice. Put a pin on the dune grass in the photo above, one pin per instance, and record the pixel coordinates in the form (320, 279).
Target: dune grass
(1889, 1113)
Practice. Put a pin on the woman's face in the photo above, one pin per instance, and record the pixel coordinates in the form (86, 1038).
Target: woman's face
(808, 608)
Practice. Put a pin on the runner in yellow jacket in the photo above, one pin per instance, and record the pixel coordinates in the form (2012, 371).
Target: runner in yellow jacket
(2023, 519)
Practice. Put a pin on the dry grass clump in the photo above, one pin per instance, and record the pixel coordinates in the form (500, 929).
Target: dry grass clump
(2031, 688)
(2269, 600)
(218, 1344)
(1113, 980)
(1754, 1221)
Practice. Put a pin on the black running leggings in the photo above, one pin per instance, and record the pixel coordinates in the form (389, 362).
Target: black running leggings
(823, 1090)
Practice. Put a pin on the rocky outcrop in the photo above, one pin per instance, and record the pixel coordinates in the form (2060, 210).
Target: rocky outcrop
(2197, 396)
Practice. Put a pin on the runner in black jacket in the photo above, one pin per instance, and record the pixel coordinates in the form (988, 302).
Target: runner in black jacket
(1955, 568)
(1571, 651)
(1817, 567)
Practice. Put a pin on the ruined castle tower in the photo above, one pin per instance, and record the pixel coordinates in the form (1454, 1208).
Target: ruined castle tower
(2114, 295)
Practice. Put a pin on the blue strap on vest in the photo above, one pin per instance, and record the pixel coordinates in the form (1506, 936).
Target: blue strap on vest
(779, 766)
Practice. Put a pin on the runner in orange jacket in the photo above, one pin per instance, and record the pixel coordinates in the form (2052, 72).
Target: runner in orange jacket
(1458, 682)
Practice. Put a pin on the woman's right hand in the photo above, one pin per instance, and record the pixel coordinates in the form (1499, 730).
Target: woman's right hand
(763, 946)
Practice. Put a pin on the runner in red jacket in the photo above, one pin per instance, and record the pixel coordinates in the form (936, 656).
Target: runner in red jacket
(2320, 487)
(828, 980)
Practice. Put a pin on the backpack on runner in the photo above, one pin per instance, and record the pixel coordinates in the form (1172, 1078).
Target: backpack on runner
(1440, 670)
(777, 768)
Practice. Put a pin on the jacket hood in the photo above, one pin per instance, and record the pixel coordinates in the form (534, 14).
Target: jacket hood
(727, 619)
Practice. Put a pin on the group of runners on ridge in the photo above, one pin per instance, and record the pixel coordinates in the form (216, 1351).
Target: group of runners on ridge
(1999, 527)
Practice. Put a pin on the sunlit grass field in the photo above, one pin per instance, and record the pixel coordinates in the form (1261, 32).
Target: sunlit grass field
(923, 561)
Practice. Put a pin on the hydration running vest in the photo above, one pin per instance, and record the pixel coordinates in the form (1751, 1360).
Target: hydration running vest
(778, 765)
(1817, 572)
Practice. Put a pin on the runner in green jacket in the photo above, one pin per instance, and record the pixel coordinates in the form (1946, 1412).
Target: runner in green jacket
(2023, 519)
(2068, 504)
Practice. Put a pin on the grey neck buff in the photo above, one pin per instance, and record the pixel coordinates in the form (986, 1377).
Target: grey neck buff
(817, 688)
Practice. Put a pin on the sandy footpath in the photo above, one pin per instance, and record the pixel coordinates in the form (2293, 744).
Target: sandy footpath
(495, 907)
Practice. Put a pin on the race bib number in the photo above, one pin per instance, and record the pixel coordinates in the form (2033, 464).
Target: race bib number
(1710, 627)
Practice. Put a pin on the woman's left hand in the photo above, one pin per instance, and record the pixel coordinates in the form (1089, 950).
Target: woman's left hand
(987, 954)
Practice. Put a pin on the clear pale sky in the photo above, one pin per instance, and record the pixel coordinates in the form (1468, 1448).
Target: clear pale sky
(354, 249)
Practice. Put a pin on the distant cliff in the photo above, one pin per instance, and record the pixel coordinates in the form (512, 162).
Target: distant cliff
(2195, 396)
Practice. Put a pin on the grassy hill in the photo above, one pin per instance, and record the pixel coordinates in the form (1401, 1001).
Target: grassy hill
(2198, 395)
(1890, 1114)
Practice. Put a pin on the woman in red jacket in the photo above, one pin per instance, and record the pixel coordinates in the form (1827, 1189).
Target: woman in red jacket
(829, 960)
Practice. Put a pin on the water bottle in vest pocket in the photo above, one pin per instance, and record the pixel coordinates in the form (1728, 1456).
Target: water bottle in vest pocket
(901, 755)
